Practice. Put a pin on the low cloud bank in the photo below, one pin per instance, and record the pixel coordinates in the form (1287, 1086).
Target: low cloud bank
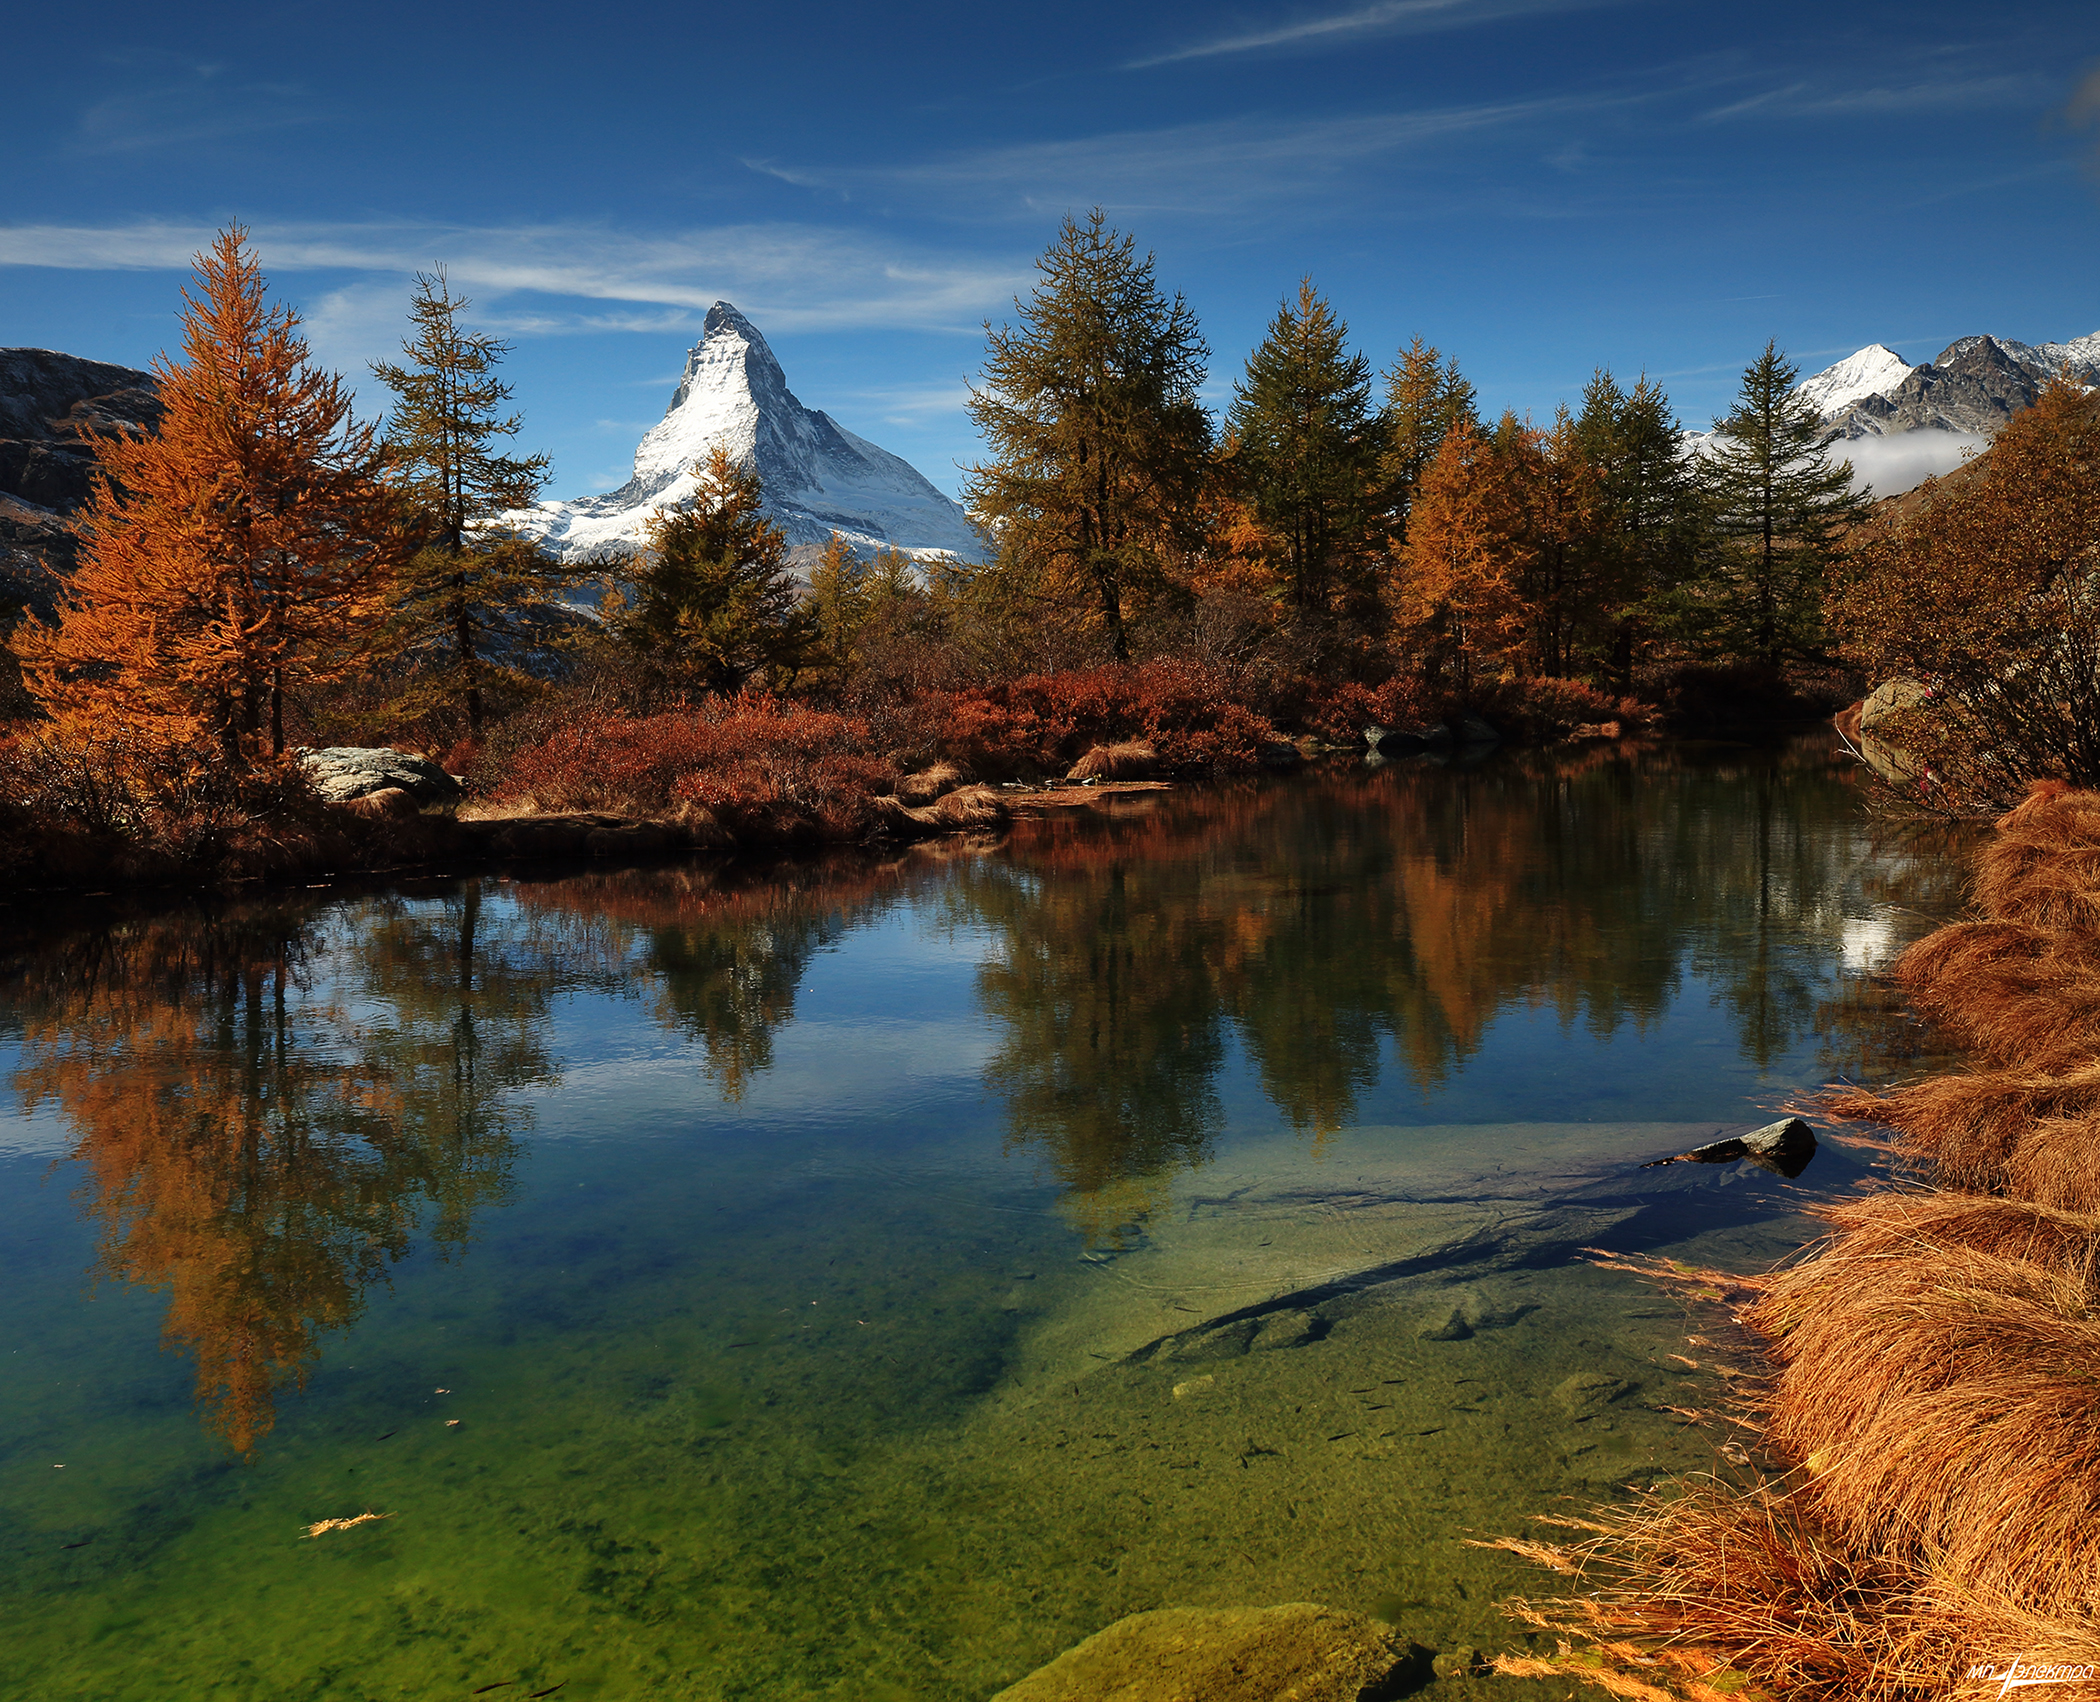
(1893, 465)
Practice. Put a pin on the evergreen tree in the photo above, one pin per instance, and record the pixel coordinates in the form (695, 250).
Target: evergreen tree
(1100, 447)
(240, 552)
(1424, 402)
(1779, 506)
(712, 603)
(1307, 449)
(470, 581)
(838, 595)
(1568, 582)
(1650, 514)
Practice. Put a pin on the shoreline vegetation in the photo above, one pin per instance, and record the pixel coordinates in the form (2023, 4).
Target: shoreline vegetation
(262, 573)
(1922, 1515)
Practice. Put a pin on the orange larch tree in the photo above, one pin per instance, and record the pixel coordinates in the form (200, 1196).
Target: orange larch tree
(1470, 538)
(244, 550)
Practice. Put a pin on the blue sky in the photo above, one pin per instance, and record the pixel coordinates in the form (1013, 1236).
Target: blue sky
(1537, 186)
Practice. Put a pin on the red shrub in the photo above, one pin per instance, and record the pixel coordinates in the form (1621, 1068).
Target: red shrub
(1540, 711)
(1042, 723)
(1341, 713)
(765, 770)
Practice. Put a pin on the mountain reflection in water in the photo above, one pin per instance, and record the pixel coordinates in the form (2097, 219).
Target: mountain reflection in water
(275, 1100)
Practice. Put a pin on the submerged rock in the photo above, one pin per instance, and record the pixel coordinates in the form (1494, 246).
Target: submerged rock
(1300, 1652)
(1588, 1391)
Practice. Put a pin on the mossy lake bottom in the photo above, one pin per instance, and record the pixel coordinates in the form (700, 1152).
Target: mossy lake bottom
(864, 1279)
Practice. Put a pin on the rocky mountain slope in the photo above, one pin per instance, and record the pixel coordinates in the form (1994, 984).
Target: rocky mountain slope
(49, 403)
(819, 477)
(1974, 386)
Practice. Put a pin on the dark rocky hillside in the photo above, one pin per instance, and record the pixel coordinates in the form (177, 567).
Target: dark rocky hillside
(50, 403)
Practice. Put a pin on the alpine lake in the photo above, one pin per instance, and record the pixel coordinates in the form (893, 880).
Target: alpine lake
(862, 1278)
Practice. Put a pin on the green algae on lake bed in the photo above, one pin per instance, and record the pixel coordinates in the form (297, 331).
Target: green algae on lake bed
(867, 1280)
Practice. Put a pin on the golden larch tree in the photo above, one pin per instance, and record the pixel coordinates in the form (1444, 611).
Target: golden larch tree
(238, 554)
(1470, 539)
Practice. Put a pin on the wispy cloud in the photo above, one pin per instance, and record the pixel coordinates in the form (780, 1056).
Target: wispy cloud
(1387, 17)
(1221, 166)
(1808, 100)
(182, 102)
(792, 277)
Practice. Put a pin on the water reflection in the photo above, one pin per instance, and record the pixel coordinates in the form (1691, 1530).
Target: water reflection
(277, 1101)
(1386, 921)
(268, 1106)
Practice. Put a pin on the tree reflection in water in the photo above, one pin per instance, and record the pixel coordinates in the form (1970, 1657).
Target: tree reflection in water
(1326, 928)
(274, 1102)
(264, 1150)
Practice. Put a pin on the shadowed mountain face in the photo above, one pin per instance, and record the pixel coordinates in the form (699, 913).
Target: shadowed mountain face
(819, 478)
(50, 404)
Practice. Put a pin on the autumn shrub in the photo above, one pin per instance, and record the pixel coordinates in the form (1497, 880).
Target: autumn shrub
(1042, 723)
(1734, 697)
(1546, 710)
(1985, 586)
(1340, 713)
(117, 802)
(765, 770)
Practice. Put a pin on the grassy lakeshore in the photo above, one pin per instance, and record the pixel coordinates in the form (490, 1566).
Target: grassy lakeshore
(1922, 1514)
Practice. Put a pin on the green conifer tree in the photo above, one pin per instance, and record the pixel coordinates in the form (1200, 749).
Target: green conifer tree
(1779, 506)
(471, 583)
(1425, 400)
(711, 603)
(1099, 445)
(1650, 516)
(838, 593)
(1307, 450)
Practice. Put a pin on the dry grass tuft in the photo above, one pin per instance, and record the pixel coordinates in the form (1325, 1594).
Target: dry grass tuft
(2043, 868)
(921, 789)
(1941, 1383)
(2016, 993)
(1986, 1132)
(1711, 1590)
(1135, 759)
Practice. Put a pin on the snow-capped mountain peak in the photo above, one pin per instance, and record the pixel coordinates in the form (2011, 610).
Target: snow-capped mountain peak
(1876, 370)
(819, 478)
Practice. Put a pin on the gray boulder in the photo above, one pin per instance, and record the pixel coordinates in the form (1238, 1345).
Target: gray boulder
(1300, 1652)
(1784, 1148)
(345, 772)
(1406, 741)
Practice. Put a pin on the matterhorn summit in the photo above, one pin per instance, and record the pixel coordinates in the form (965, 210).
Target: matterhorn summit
(819, 478)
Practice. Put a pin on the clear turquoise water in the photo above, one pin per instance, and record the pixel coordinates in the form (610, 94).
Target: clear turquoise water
(863, 1279)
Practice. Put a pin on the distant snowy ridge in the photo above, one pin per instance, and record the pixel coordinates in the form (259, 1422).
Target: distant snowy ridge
(819, 478)
(1877, 370)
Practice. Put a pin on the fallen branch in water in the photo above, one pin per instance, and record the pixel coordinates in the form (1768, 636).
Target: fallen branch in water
(321, 1527)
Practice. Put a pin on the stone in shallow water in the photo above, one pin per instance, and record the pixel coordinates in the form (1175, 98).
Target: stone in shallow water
(1588, 1391)
(1300, 1652)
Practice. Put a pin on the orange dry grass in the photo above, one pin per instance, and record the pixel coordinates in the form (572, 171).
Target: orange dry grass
(2018, 994)
(2044, 866)
(1997, 1131)
(1941, 1383)
(1714, 1591)
(1134, 759)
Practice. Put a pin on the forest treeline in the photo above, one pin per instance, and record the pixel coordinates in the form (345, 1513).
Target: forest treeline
(1340, 547)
